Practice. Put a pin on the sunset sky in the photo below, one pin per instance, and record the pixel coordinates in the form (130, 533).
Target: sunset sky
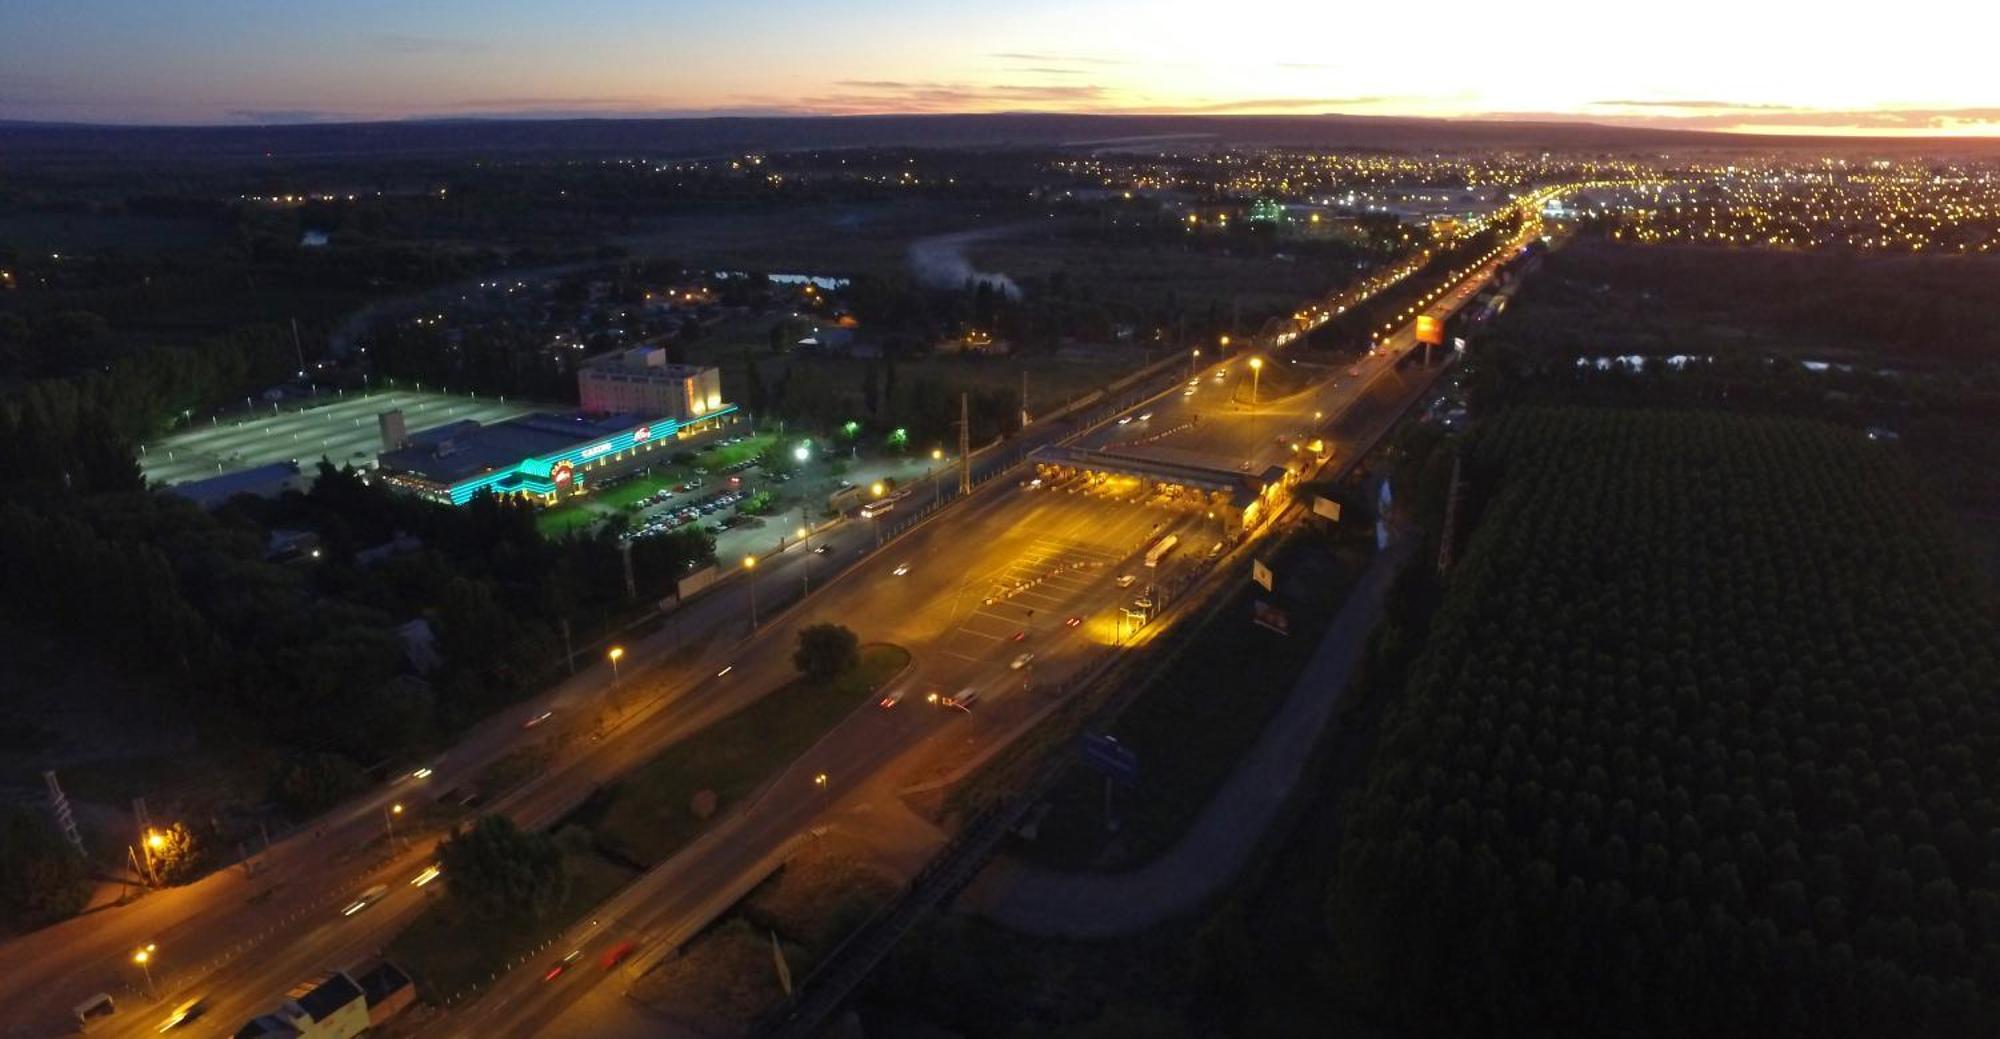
(1917, 67)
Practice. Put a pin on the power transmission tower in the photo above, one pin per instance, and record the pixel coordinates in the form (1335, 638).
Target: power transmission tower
(65, 820)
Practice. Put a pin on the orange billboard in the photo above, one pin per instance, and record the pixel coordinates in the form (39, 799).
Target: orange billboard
(1430, 330)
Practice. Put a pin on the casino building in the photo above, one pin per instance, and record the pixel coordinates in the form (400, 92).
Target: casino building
(549, 456)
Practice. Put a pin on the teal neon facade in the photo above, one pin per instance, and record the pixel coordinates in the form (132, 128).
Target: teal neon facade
(536, 475)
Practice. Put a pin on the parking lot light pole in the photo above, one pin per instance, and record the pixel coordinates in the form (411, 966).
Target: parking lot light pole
(389, 814)
(750, 564)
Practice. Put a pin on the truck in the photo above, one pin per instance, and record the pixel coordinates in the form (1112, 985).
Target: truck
(1160, 549)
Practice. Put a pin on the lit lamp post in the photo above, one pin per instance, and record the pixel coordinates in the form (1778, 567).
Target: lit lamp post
(750, 564)
(819, 781)
(144, 958)
(389, 814)
(1256, 376)
(1194, 361)
(937, 455)
(617, 653)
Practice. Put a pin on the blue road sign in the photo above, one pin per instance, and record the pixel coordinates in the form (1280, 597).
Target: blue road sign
(1108, 756)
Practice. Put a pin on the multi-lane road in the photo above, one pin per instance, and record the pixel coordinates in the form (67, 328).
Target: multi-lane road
(242, 937)
(239, 939)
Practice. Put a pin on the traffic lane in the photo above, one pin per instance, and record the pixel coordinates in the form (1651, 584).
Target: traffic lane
(611, 762)
(498, 736)
(322, 939)
(865, 741)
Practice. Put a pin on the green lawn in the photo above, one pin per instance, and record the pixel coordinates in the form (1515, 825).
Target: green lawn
(449, 951)
(647, 816)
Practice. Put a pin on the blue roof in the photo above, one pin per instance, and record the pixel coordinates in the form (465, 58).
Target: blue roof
(465, 449)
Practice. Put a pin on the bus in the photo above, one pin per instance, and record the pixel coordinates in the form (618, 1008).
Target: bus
(1160, 549)
(876, 508)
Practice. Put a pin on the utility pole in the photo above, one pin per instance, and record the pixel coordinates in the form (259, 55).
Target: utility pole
(1024, 397)
(298, 350)
(964, 443)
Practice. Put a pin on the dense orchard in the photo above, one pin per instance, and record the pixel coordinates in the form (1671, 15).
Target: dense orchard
(1704, 739)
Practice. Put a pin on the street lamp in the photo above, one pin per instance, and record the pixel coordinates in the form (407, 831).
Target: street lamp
(820, 781)
(1256, 376)
(750, 564)
(1194, 361)
(617, 653)
(876, 489)
(937, 455)
(389, 814)
(144, 958)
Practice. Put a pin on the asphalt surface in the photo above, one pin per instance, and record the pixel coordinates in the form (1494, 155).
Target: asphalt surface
(239, 940)
(959, 640)
(339, 427)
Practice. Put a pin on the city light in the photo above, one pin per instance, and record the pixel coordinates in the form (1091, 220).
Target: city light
(876, 489)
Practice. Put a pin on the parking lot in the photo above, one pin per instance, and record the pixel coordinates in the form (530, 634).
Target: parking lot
(339, 427)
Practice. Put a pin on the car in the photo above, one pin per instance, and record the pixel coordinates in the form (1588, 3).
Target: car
(822, 550)
(187, 1010)
(891, 698)
(429, 873)
(422, 773)
(1022, 661)
(1146, 417)
(1355, 370)
(1125, 581)
(1142, 604)
(963, 700)
(1033, 484)
(1124, 420)
(1019, 636)
(365, 899)
(1192, 383)
(1073, 622)
(616, 954)
(1189, 392)
(537, 719)
(562, 965)
(902, 569)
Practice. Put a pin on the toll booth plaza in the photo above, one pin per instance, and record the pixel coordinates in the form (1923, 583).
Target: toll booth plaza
(1240, 501)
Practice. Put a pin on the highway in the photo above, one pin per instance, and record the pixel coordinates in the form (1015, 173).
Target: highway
(956, 644)
(220, 934)
(240, 940)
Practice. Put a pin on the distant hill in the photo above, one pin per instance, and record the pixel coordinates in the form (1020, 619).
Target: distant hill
(728, 135)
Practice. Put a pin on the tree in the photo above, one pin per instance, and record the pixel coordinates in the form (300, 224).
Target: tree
(42, 878)
(177, 855)
(498, 870)
(826, 650)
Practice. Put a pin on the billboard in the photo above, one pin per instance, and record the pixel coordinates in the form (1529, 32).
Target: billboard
(1329, 509)
(1265, 615)
(1260, 573)
(1430, 330)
